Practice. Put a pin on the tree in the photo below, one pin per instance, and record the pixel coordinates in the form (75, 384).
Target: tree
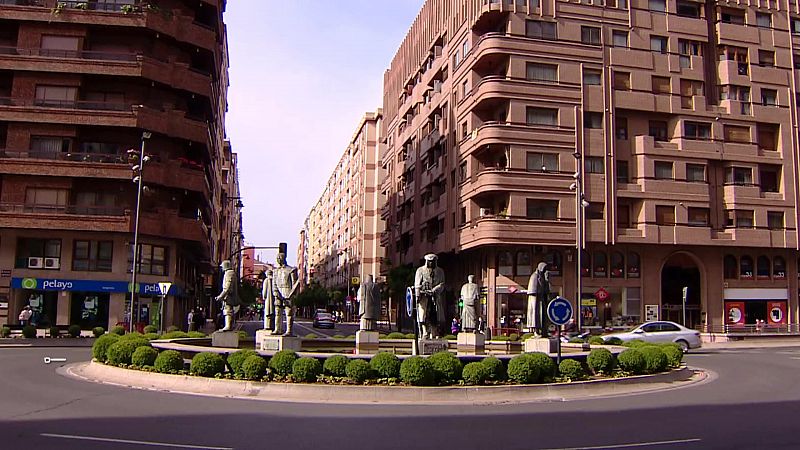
(248, 292)
(398, 279)
(313, 295)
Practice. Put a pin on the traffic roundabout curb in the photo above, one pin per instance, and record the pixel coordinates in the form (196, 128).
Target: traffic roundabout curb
(345, 394)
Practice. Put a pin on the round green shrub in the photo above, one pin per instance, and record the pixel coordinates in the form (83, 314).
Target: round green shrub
(513, 337)
(236, 359)
(655, 360)
(150, 329)
(242, 335)
(151, 336)
(306, 370)
(450, 337)
(635, 343)
(119, 330)
(5, 332)
(446, 367)
(546, 366)
(569, 368)
(101, 344)
(526, 336)
(385, 365)
(358, 370)
(196, 334)
(207, 364)
(144, 356)
(674, 354)
(281, 363)
(410, 336)
(98, 331)
(497, 370)
(55, 332)
(417, 371)
(596, 340)
(29, 331)
(475, 373)
(613, 340)
(169, 361)
(175, 335)
(172, 328)
(576, 340)
(600, 360)
(632, 361)
(396, 335)
(522, 370)
(335, 366)
(133, 335)
(74, 330)
(254, 368)
(121, 352)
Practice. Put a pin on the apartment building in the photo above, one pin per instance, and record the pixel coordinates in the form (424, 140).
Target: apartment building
(673, 119)
(83, 87)
(341, 231)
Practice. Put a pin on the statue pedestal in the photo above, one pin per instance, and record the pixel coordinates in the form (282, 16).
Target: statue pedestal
(226, 339)
(431, 346)
(471, 343)
(266, 341)
(543, 345)
(366, 342)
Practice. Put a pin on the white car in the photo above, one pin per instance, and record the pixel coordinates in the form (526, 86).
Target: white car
(661, 332)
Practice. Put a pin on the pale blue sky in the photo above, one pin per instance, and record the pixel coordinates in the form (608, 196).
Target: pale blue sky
(302, 74)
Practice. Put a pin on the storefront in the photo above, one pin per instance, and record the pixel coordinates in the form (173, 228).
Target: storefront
(756, 307)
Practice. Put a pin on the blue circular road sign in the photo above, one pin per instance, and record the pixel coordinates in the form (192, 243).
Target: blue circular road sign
(559, 311)
(409, 301)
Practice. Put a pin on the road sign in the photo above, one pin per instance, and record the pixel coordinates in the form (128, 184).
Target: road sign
(559, 311)
(409, 301)
(164, 286)
(355, 281)
(601, 294)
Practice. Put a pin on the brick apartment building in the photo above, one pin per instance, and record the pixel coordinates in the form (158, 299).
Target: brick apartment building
(80, 84)
(675, 118)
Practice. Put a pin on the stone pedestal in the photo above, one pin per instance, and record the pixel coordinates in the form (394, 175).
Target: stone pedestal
(366, 342)
(471, 343)
(226, 339)
(266, 341)
(431, 346)
(543, 345)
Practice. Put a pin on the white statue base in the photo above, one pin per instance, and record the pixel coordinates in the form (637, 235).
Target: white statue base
(471, 343)
(431, 346)
(225, 339)
(267, 341)
(543, 345)
(367, 342)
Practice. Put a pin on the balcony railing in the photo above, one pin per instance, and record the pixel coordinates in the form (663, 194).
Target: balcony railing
(108, 158)
(93, 105)
(75, 54)
(111, 5)
(22, 2)
(62, 209)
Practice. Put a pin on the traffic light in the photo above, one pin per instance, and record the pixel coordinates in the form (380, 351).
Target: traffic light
(283, 248)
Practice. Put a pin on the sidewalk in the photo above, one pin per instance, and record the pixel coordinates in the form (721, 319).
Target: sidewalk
(765, 342)
(46, 342)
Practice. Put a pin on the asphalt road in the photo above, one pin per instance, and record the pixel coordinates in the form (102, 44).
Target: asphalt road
(752, 400)
(304, 327)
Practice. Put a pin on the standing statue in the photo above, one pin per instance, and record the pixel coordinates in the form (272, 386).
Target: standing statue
(469, 300)
(228, 295)
(369, 304)
(284, 284)
(270, 311)
(538, 295)
(428, 288)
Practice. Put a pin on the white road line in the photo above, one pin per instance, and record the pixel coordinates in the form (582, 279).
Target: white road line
(631, 445)
(126, 441)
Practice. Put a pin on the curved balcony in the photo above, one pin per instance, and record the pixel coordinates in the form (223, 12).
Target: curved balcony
(515, 133)
(170, 225)
(505, 87)
(504, 230)
(64, 217)
(490, 180)
(504, 43)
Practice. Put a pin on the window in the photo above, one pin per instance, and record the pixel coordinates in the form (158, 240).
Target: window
(541, 30)
(465, 48)
(739, 176)
(769, 177)
(665, 215)
(763, 268)
(46, 197)
(617, 265)
(622, 81)
(60, 46)
(599, 264)
(92, 256)
(58, 96)
(690, 88)
(688, 9)
(36, 248)
(659, 44)
(660, 85)
(541, 116)
(658, 130)
(734, 16)
(729, 265)
(593, 164)
(553, 260)
(622, 128)
(152, 259)
(763, 20)
(658, 5)
(696, 173)
(746, 268)
(505, 264)
(634, 265)
(737, 134)
(795, 23)
(590, 35)
(775, 220)
(541, 209)
(663, 170)
(623, 216)
(619, 38)
(595, 211)
(592, 77)
(687, 49)
(542, 162)
(524, 267)
(769, 97)
(778, 268)
(734, 92)
(698, 217)
(767, 136)
(622, 172)
(743, 218)
(766, 58)
(546, 73)
(49, 147)
(592, 120)
(696, 130)
(621, 4)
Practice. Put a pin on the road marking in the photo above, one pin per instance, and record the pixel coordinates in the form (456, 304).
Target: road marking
(631, 445)
(126, 441)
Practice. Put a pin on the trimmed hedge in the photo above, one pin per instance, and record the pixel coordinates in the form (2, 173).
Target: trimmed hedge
(335, 366)
(119, 330)
(151, 336)
(168, 361)
(130, 336)
(55, 332)
(544, 363)
(450, 337)
(417, 371)
(475, 373)
(601, 360)
(144, 356)
(385, 365)
(569, 368)
(513, 337)
(281, 363)
(613, 340)
(306, 370)
(120, 352)
(175, 335)
(526, 336)
(150, 329)
(635, 343)
(98, 331)
(655, 360)
(674, 354)
(497, 370)
(100, 347)
(236, 359)
(632, 361)
(196, 334)
(410, 336)
(395, 335)
(523, 370)
(596, 340)
(29, 331)
(5, 332)
(172, 328)
(254, 368)
(74, 330)
(358, 370)
(576, 340)
(446, 367)
(207, 364)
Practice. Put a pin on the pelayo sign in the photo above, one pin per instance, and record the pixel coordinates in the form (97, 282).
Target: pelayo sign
(56, 284)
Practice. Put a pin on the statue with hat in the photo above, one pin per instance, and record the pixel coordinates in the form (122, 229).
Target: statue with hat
(228, 297)
(284, 285)
(429, 290)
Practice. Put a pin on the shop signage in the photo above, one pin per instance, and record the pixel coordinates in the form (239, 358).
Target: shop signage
(777, 312)
(601, 294)
(650, 313)
(57, 284)
(734, 312)
(588, 302)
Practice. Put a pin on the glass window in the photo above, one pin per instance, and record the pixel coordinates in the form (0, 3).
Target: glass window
(542, 209)
(769, 97)
(546, 73)
(505, 264)
(659, 44)
(775, 220)
(744, 218)
(622, 128)
(593, 164)
(619, 38)
(152, 259)
(746, 268)
(769, 177)
(665, 215)
(524, 267)
(622, 81)
(599, 264)
(688, 9)
(542, 116)
(595, 211)
(663, 170)
(658, 5)
(767, 136)
(734, 16)
(542, 162)
(740, 176)
(93, 256)
(735, 133)
(696, 130)
(764, 20)
(779, 268)
(617, 265)
(696, 173)
(729, 267)
(590, 35)
(658, 130)
(661, 85)
(592, 77)
(553, 260)
(763, 268)
(593, 120)
(766, 58)
(634, 265)
(622, 172)
(57, 96)
(540, 29)
(46, 197)
(698, 217)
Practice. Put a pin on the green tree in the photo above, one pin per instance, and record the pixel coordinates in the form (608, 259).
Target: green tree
(313, 295)
(248, 292)
(398, 279)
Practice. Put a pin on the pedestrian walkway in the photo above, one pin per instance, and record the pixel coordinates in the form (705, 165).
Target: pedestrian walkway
(766, 342)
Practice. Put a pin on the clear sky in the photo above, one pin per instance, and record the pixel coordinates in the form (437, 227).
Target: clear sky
(302, 74)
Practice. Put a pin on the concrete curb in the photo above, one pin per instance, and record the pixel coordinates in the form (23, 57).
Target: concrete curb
(315, 393)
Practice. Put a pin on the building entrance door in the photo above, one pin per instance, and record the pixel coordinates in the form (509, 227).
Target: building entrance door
(678, 273)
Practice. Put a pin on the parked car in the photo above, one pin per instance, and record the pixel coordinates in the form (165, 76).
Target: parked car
(323, 320)
(661, 332)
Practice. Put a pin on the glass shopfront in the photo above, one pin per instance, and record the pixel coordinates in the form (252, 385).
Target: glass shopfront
(44, 306)
(89, 310)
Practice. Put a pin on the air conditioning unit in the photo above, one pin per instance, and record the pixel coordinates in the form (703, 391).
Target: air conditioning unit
(52, 263)
(35, 263)
(485, 212)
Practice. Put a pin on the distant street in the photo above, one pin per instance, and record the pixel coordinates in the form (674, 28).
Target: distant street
(304, 327)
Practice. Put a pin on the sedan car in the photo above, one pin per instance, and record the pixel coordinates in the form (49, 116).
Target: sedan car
(661, 332)
(323, 320)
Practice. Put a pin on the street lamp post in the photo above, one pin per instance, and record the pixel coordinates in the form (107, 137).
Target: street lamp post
(138, 178)
(580, 204)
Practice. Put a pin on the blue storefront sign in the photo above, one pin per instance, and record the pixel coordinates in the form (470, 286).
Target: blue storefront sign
(57, 284)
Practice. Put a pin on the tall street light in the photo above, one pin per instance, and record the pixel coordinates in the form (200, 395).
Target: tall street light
(138, 178)
(580, 204)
